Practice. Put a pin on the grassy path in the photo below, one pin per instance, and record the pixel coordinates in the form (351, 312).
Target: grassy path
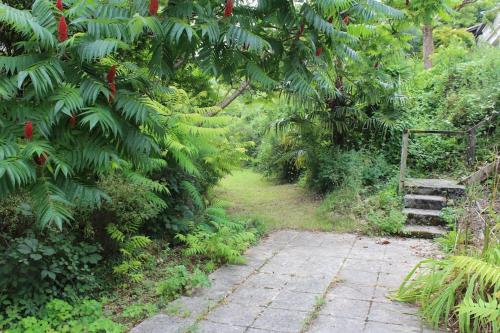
(281, 206)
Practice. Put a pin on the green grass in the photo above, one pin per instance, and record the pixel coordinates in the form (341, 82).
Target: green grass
(280, 206)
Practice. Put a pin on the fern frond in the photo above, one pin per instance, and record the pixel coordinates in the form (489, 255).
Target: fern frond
(481, 315)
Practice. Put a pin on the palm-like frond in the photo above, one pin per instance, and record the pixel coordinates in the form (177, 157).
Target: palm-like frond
(50, 204)
(25, 23)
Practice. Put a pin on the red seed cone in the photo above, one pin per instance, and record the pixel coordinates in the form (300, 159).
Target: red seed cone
(153, 7)
(346, 20)
(62, 29)
(112, 89)
(28, 130)
(318, 51)
(228, 10)
(111, 74)
(330, 19)
(59, 5)
(41, 159)
(72, 120)
(300, 32)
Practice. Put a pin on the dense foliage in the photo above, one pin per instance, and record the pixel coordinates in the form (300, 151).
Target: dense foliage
(117, 119)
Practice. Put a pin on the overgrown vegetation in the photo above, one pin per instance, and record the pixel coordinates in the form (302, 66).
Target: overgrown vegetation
(118, 118)
(461, 290)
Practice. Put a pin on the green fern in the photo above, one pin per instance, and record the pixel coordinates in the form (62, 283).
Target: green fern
(482, 314)
(220, 239)
(456, 287)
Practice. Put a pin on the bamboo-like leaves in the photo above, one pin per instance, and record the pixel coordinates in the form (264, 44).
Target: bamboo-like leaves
(44, 76)
(136, 108)
(50, 204)
(24, 22)
(14, 173)
(240, 37)
(255, 73)
(68, 100)
(90, 50)
(101, 117)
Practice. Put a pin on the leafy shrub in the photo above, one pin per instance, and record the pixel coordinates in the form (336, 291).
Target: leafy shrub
(34, 269)
(437, 154)
(139, 311)
(15, 215)
(386, 222)
(461, 289)
(117, 222)
(181, 281)
(445, 36)
(220, 239)
(278, 158)
(449, 242)
(334, 169)
(385, 213)
(457, 93)
(59, 316)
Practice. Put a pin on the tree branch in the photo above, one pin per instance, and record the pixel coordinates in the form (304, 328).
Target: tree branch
(229, 99)
(464, 3)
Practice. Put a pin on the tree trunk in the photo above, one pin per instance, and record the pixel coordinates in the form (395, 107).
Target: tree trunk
(428, 47)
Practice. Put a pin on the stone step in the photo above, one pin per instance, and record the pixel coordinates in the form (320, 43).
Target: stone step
(422, 231)
(422, 201)
(423, 216)
(446, 187)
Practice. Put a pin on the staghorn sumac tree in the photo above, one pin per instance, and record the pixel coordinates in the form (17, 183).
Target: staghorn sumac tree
(55, 64)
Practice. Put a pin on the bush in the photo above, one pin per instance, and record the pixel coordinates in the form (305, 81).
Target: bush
(277, 158)
(59, 316)
(220, 239)
(386, 221)
(457, 93)
(180, 281)
(139, 311)
(385, 211)
(131, 204)
(34, 269)
(334, 169)
(15, 216)
(117, 224)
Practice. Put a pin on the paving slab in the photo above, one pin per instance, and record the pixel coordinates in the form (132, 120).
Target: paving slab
(280, 320)
(304, 282)
(330, 324)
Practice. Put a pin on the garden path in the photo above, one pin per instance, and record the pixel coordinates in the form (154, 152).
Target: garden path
(303, 281)
(280, 206)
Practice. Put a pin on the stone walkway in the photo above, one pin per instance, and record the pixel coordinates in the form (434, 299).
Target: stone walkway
(303, 282)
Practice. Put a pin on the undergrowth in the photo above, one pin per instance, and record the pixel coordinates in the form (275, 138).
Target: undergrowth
(459, 290)
(462, 290)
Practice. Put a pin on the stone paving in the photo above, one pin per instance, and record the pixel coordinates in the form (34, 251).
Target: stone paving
(303, 282)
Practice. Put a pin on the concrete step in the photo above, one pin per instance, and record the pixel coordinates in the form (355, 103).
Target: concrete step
(442, 187)
(422, 201)
(423, 216)
(423, 231)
